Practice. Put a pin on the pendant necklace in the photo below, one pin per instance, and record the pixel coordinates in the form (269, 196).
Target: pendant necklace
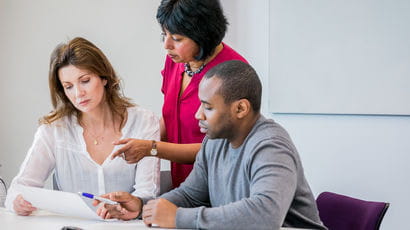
(95, 137)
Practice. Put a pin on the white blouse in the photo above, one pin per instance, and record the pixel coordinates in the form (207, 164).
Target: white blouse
(60, 146)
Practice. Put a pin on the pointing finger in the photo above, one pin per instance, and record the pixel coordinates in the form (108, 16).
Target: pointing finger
(120, 151)
(122, 142)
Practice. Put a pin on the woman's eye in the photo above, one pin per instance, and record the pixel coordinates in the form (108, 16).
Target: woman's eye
(163, 35)
(176, 39)
(85, 81)
(68, 87)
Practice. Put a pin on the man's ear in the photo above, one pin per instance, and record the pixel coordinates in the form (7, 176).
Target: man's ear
(242, 108)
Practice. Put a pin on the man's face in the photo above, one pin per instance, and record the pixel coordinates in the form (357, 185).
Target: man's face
(215, 117)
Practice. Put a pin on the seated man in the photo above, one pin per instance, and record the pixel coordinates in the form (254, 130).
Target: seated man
(247, 175)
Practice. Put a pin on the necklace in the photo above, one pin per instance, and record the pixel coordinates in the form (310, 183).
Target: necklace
(190, 72)
(95, 137)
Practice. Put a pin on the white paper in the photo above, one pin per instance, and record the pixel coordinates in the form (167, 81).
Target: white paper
(65, 203)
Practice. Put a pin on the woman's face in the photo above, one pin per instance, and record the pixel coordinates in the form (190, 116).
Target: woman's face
(180, 49)
(84, 89)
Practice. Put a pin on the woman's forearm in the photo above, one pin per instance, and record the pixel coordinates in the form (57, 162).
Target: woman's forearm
(180, 153)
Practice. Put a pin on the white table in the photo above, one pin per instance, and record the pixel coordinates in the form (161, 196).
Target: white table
(45, 220)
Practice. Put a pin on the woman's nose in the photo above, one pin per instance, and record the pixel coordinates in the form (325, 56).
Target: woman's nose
(167, 43)
(79, 92)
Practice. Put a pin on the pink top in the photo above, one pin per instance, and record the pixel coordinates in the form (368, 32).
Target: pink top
(179, 112)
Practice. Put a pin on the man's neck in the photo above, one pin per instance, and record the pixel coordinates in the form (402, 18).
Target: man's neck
(243, 130)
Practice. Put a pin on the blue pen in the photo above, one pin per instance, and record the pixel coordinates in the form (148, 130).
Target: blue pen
(91, 196)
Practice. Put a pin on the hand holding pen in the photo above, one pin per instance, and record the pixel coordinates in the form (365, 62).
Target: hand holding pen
(129, 207)
(102, 199)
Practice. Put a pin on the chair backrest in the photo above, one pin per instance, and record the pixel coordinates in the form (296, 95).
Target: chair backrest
(339, 212)
(55, 182)
(165, 182)
(3, 192)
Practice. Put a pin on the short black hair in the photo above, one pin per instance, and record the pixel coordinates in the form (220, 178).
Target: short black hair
(239, 81)
(202, 21)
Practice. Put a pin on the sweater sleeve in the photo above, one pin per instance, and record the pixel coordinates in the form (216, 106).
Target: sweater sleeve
(193, 192)
(273, 179)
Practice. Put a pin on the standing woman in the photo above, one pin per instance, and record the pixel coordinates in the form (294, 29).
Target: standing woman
(75, 139)
(192, 33)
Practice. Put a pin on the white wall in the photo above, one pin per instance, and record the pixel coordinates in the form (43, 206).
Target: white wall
(126, 31)
(361, 156)
(339, 55)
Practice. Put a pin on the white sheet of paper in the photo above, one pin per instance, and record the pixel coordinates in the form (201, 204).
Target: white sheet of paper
(65, 203)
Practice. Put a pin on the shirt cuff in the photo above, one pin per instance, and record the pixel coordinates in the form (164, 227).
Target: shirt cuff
(187, 217)
(142, 205)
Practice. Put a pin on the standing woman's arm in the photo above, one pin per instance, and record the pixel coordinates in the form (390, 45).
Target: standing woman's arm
(136, 149)
(179, 153)
(163, 130)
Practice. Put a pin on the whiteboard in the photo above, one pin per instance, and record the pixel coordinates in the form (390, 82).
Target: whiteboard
(339, 56)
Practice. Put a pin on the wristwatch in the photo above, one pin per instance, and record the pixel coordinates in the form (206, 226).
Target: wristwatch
(154, 151)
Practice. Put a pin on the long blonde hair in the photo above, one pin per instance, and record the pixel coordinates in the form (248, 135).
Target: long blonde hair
(83, 54)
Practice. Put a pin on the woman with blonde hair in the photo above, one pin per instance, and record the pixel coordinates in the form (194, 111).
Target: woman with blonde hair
(76, 139)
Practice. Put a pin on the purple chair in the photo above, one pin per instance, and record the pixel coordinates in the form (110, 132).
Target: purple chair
(339, 212)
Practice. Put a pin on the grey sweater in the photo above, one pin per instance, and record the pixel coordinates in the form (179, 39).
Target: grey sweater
(260, 185)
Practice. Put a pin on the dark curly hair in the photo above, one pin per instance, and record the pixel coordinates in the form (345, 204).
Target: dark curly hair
(202, 21)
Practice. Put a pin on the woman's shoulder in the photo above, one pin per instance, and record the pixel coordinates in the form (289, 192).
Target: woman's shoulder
(228, 54)
(140, 118)
(55, 129)
(66, 122)
(138, 112)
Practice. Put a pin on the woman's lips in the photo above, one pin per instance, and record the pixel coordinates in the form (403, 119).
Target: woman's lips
(172, 56)
(82, 103)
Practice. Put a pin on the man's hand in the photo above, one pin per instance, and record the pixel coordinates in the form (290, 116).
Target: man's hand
(160, 212)
(129, 206)
(133, 150)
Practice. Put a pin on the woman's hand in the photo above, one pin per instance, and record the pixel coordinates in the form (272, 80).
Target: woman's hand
(22, 207)
(129, 206)
(133, 150)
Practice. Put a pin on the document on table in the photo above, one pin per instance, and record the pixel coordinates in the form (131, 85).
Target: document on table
(65, 203)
